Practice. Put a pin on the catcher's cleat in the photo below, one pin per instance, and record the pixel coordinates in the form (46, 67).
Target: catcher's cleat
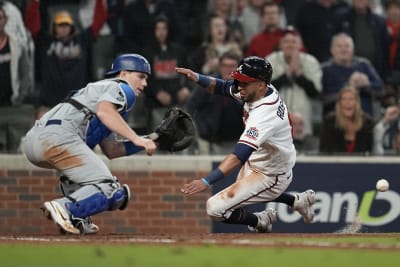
(265, 220)
(54, 211)
(85, 226)
(47, 215)
(303, 203)
(127, 197)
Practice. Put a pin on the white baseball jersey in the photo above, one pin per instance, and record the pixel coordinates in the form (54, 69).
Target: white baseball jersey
(268, 171)
(268, 131)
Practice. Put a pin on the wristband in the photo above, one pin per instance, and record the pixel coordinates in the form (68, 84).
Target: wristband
(130, 148)
(203, 80)
(205, 182)
(214, 176)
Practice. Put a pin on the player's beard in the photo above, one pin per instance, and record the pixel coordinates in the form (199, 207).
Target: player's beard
(250, 97)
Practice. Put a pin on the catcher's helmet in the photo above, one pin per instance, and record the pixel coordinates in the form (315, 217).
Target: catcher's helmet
(253, 68)
(130, 62)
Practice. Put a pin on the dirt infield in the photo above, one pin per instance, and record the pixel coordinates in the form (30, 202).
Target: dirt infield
(325, 241)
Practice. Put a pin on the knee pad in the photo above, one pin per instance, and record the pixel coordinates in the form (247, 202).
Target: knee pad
(120, 198)
(97, 201)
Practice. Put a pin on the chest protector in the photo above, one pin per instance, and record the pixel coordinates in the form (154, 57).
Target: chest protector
(96, 130)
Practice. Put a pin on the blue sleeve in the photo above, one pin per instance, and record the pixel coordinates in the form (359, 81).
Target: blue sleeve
(130, 148)
(243, 152)
(222, 87)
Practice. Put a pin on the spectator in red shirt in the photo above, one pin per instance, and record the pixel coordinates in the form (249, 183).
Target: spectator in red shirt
(267, 41)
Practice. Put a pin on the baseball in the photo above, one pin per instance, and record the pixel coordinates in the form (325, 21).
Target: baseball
(382, 185)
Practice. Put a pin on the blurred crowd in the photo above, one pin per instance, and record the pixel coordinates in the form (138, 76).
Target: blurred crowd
(336, 64)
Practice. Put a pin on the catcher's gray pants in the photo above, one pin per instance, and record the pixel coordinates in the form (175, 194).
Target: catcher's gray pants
(58, 147)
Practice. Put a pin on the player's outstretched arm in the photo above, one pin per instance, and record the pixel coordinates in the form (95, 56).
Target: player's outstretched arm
(191, 75)
(210, 84)
(229, 164)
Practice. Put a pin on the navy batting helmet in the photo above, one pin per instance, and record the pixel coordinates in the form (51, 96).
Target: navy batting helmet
(130, 62)
(253, 68)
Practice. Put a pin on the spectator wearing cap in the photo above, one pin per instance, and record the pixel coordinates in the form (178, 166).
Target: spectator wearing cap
(63, 52)
(297, 75)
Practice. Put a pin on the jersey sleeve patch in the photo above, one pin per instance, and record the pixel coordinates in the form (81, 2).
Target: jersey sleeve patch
(115, 96)
(252, 133)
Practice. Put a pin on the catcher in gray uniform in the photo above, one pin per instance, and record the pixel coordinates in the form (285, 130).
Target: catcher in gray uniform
(64, 137)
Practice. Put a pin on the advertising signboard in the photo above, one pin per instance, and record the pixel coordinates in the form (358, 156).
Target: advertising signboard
(346, 199)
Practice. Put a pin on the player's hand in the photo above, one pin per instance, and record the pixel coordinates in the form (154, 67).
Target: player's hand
(194, 187)
(148, 145)
(191, 75)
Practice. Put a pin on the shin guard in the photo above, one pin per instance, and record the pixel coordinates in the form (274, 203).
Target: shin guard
(97, 202)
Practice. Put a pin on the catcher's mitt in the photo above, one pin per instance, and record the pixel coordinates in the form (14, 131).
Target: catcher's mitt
(176, 131)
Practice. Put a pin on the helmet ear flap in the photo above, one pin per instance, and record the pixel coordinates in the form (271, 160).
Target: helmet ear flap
(235, 86)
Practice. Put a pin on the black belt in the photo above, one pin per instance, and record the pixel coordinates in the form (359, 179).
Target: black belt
(53, 122)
